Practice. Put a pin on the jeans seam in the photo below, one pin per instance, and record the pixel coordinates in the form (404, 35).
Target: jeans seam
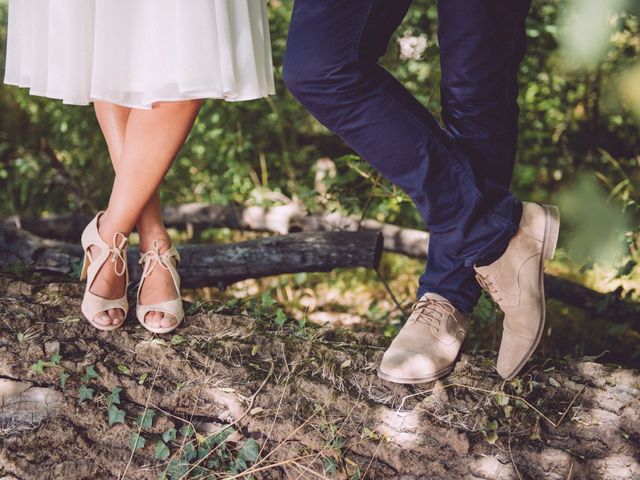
(356, 47)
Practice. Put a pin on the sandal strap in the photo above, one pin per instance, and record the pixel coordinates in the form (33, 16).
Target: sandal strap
(153, 257)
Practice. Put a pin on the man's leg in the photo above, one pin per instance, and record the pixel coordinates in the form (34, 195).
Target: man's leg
(480, 54)
(331, 67)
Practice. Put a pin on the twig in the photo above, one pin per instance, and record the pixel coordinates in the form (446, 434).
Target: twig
(146, 406)
(235, 422)
(390, 292)
(513, 462)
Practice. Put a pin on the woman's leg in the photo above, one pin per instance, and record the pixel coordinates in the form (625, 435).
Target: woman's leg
(142, 145)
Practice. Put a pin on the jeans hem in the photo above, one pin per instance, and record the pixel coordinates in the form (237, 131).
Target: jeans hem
(461, 304)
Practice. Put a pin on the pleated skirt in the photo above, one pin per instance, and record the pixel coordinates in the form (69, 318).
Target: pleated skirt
(137, 52)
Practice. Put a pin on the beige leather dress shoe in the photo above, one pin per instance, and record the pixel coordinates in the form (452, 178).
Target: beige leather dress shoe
(515, 281)
(427, 346)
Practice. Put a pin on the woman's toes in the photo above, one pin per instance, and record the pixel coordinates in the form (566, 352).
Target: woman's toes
(102, 319)
(168, 320)
(153, 319)
(116, 316)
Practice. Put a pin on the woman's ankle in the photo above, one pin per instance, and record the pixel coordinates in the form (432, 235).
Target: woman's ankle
(148, 235)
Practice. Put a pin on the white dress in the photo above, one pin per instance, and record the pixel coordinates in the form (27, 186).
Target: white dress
(137, 52)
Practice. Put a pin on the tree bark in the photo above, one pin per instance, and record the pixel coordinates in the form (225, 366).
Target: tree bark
(215, 265)
(309, 397)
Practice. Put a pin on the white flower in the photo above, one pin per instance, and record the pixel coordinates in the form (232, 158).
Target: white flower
(412, 47)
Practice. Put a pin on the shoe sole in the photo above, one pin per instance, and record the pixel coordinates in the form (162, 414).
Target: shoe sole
(429, 378)
(549, 244)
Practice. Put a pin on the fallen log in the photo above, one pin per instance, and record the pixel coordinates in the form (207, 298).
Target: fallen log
(281, 219)
(214, 265)
(292, 217)
(307, 401)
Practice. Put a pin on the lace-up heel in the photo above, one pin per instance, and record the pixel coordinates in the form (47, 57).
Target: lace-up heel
(169, 261)
(93, 304)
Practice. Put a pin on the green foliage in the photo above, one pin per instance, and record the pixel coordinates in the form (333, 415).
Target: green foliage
(145, 420)
(85, 393)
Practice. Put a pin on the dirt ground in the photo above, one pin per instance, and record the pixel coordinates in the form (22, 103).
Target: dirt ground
(240, 392)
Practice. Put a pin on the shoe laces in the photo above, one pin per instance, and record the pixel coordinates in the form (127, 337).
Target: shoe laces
(153, 257)
(432, 312)
(487, 284)
(117, 253)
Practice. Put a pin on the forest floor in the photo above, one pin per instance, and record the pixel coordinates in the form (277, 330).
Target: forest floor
(240, 391)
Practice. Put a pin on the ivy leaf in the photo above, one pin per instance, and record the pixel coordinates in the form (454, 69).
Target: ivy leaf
(90, 373)
(161, 451)
(177, 469)
(491, 437)
(146, 419)
(250, 450)
(189, 452)
(115, 415)
(267, 300)
(222, 435)
(329, 466)
(136, 441)
(38, 366)
(186, 431)
(55, 358)
(64, 376)
(114, 396)
(281, 317)
(85, 393)
(169, 435)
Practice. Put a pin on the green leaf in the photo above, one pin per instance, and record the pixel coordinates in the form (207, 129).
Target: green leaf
(55, 358)
(281, 317)
(222, 435)
(38, 366)
(177, 339)
(177, 469)
(146, 419)
(169, 435)
(491, 437)
(142, 378)
(63, 379)
(85, 393)
(302, 322)
(329, 465)
(123, 369)
(20, 337)
(189, 452)
(115, 415)
(250, 450)
(161, 452)
(186, 431)
(136, 441)
(114, 396)
(267, 300)
(501, 399)
(90, 373)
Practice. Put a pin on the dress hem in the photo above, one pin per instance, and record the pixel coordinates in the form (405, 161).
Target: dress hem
(145, 106)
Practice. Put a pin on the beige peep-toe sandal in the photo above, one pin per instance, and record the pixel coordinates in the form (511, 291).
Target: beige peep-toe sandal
(93, 304)
(169, 261)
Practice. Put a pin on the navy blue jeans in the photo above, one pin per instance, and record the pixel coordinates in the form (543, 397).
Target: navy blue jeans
(457, 176)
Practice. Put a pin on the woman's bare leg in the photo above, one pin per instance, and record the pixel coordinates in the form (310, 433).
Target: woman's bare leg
(142, 145)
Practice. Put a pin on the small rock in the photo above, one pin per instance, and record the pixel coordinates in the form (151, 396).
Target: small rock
(51, 347)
